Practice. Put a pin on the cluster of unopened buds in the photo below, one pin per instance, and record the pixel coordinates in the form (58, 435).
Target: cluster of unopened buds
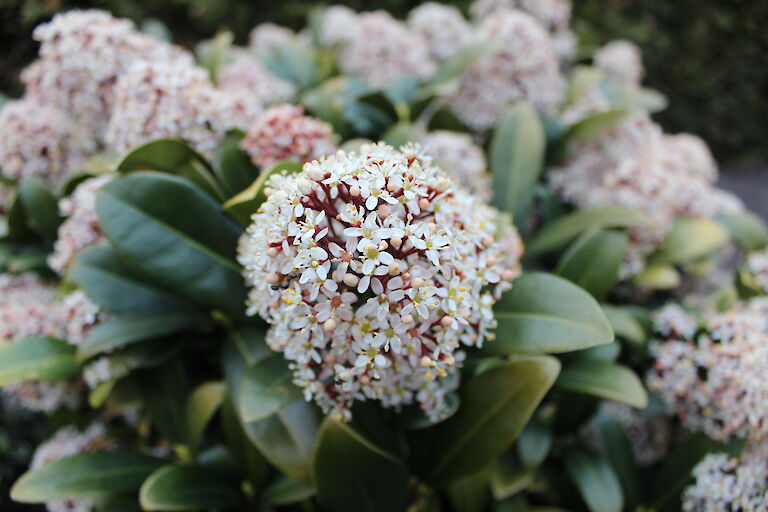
(374, 269)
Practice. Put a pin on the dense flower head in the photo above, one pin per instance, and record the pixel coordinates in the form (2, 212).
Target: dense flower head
(461, 159)
(552, 14)
(649, 433)
(691, 153)
(634, 165)
(373, 269)
(337, 25)
(268, 37)
(522, 67)
(81, 228)
(443, 27)
(714, 381)
(39, 140)
(157, 99)
(727, 483)
(30, 307)
(67, 442)
(381, 50)
(621, 61)
(82, 53)
(247, 81)
(757, 265)
(285, 133)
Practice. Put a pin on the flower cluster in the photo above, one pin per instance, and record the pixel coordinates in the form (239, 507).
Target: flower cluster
(523, 67)
(39, 140)
(757, 265)
(67, 442)
(285, 133)
(29, 307)
(81, 229)
(268, 37)
(462, 160)
(714, 380)
(443, 27)
(381, 50)
(730, 483)
(621, 61)
(635, 165)
(337, 25)
(373, 270)
(156, 99)
(82, 54)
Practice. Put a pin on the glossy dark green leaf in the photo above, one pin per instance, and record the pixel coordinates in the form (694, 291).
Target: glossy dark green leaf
(202, 404)
(112, 285)
(495, 406)
(267, 388)
(41, 207)
(516, 158)
(675, 473)
(508, 477)
(84, 475)
(470, 493)
(173, 156)
(37, 357)
(534, 442)
(558, 233)
(177, 487)
(163, 391)
(658, 276)
(351, 474)
(604, 380)
(547, 314)
(399, 134)
(120, 331)
(213, 53)
(234, 168)
(593, 261)
(168, 230)
(247, 202)
(17, 228)
(414, 418)
(296, 63)
(284, 491)
(617, 449)
(690, 239)
(249, 459)
(597, 482)
(747, 229)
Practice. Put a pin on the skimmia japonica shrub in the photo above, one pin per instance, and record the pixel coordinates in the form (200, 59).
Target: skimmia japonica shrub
(426, 264)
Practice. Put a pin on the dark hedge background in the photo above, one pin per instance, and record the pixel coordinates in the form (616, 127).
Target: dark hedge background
(708, 56)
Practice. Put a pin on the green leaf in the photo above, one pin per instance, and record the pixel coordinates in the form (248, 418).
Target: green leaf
(595, 125)
(351, 474)
(16, 220)
(563, 230)
(234, 168)
(163, 391)
(176, 487)
(747, 230)
(470, 494)
(454, 65)
(120, 331)
(544, 313)
(534, 442)
(495, 406)
(37, 357)
(213, 53)
(508, 477)
(267, 388)
(675, 473)
(247, 202)
(617, 448)
(84, 475)
(596, 481)
(625, 324)
(169, 231)
(690, 239)
(250, 461)
(41, 207)
(604, 380)
(296, 63)
(202, 404)
(658, 277)
(516, 159)
(112, 285)
(412, 417)
(284, 491)
(173, 156)
(593, 261)
(399, 134)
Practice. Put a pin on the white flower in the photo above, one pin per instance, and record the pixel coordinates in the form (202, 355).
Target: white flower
(621, 61)
(461, 159)
(376, 307)
(757, 264)
(443, 27)
(268, 37)
(338, 24)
